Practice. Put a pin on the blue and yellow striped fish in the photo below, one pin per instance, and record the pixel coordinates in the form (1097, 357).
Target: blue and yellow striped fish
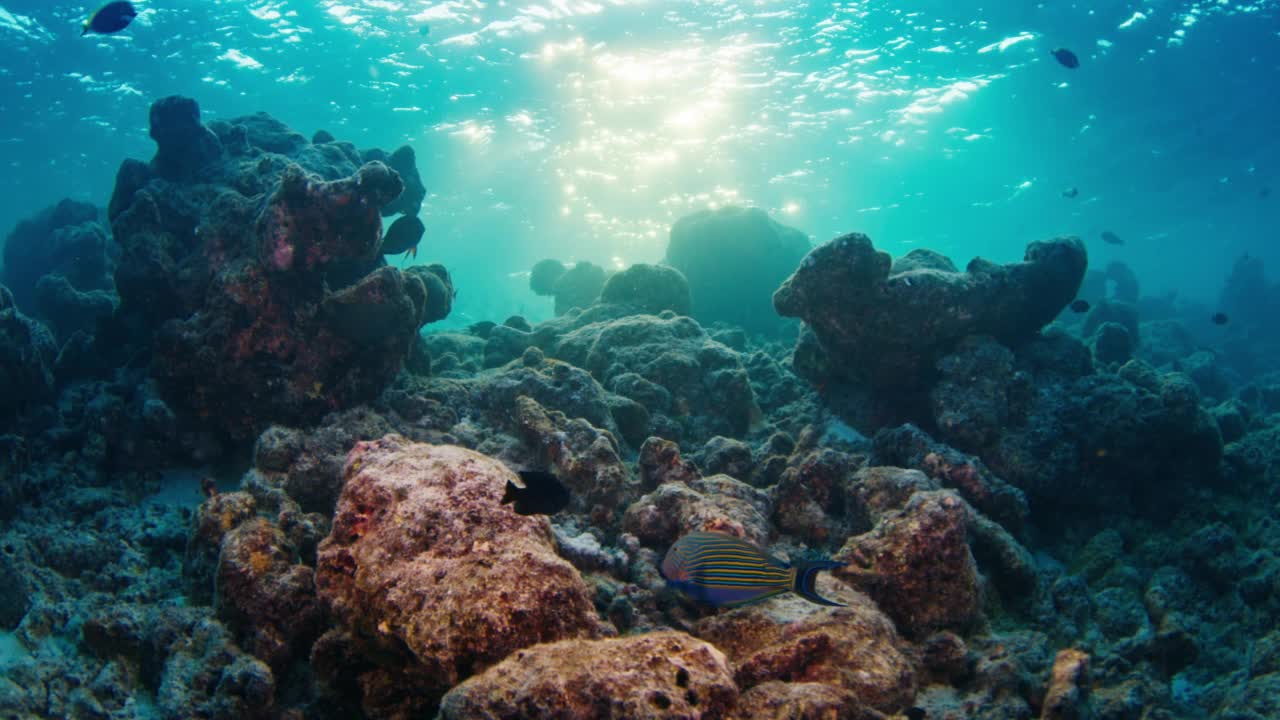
(721, 569)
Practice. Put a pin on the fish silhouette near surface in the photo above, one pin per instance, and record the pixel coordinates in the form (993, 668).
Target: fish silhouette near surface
(1066, 58)
(1111, 238)
(727, 571)
(1220, 319)
(1070, 192)
(110, 18)
(1080, 306)
(542, 493)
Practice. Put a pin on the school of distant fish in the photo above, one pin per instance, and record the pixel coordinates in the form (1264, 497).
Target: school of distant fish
(1068, 59)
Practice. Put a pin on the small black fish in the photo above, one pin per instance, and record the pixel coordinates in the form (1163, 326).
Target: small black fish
(1067, 58)
(112, 17)
(542, 494)
(915, 713)
(1111, 238)
(1220, 319)
(1080, 306)
(1070, 192)
(403, 236)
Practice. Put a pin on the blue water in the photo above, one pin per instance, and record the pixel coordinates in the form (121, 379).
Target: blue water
(581, 130)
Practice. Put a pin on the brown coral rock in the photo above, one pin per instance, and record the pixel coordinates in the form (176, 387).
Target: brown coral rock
(1068, 687)
(853, 648)
(433, 576)
(776, 700)
(264, 594)
(657, 675)
(718, 503)
(916, 564)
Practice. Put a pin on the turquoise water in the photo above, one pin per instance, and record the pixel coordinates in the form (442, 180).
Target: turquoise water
(581, 129)
(1119, 467)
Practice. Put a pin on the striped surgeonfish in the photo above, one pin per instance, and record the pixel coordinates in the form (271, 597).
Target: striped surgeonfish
(721, 569)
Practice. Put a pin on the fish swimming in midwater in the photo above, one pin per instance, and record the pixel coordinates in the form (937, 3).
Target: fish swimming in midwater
(1220, 319)
(1080, 306)
(1067, 58)
(542, 493)
(1070, 192)
(720, 569)
(403, 236)
(112, 17)
(1111, 238)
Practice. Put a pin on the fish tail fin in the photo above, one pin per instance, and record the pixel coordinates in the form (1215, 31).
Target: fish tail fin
(510, 495)
(807, 574)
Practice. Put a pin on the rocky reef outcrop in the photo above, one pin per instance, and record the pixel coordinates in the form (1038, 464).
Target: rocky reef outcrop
(1067, 521)
(255, 255)
(655, 675)
(734, 258)
(888, 327)
(573, 287)
(432, 579)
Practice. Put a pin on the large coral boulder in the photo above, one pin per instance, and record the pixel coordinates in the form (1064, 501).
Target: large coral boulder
(579, 286)
(657, 675)
(27, 353)
(648, 289)
(889, 328)
(434, 578)
(64, 240)
(917, 565)
(853, 649)
(693, 387)
(734, 258)
(251, 272)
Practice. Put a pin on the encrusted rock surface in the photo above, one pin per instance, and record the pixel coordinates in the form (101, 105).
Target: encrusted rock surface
(654, 675)
(435, 579)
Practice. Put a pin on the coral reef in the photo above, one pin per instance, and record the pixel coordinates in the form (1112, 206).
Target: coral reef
(656, 675)
(857, 306)
(236, 482)
(27, 355)
(59, 264)
(853, 649)
(572, 287)
(283, 300)
(648, 289)
(734, 258)
(433, 578)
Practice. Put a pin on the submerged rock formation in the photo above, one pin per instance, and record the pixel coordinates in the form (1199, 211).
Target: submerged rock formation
(433, 579)
(256, 255)
(888, 328)
(656, 675)
(734, 258)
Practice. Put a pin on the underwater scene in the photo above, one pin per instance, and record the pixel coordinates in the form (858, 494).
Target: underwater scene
(574, 359)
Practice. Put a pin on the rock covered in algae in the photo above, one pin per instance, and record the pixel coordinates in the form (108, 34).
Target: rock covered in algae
(249, 271)
(648, 289)
(655, 675)
(734, 258)
(433, 577)
(853, 649)
(916, 564)
(890, 328)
